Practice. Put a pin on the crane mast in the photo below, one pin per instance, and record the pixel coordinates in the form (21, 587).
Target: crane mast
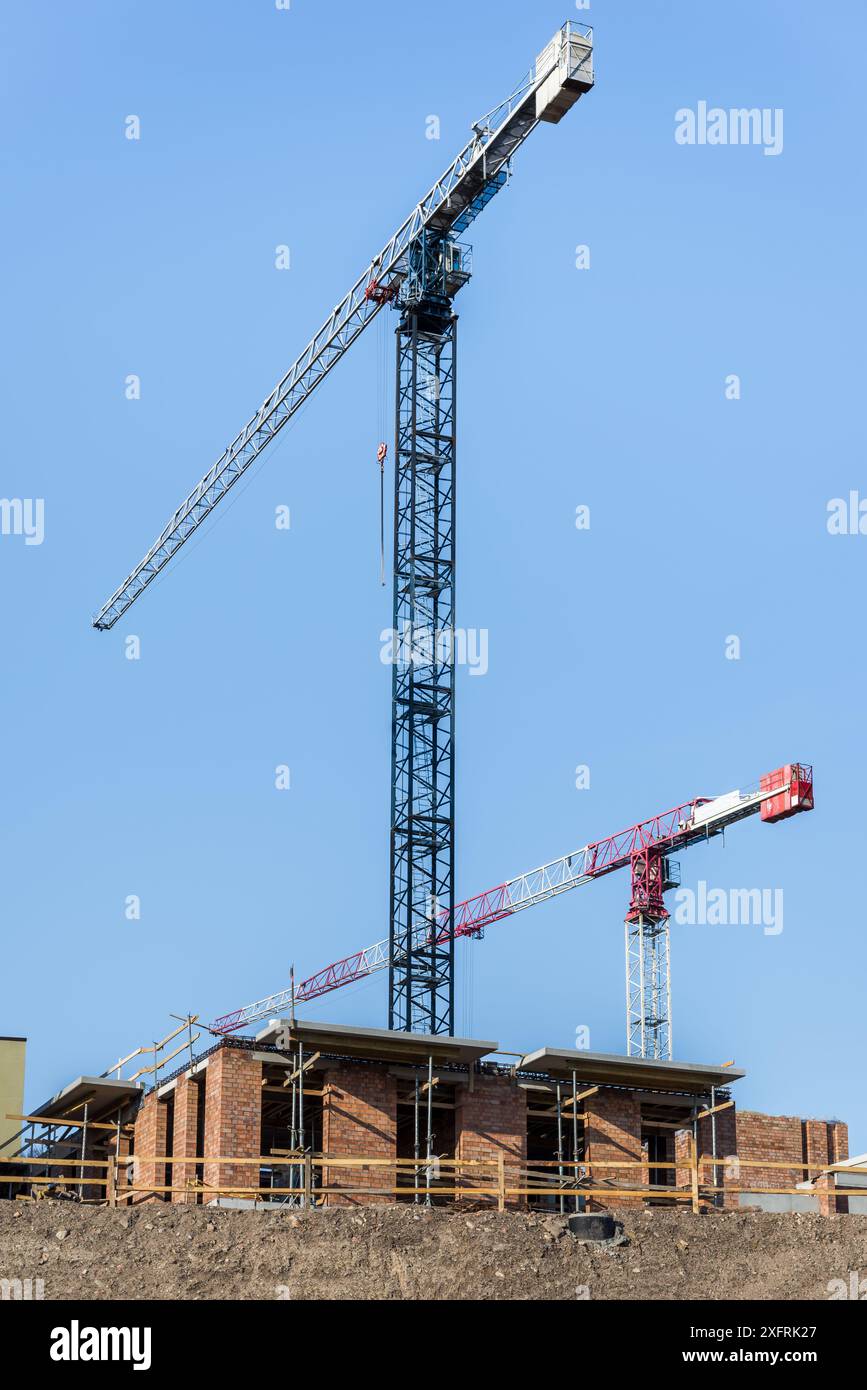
(421, 964)
(421, 957)
(418, 272)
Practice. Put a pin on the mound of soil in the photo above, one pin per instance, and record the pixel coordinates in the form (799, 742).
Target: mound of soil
(157, 1251)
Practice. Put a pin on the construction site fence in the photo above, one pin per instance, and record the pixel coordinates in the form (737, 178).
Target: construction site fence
(499, 1179)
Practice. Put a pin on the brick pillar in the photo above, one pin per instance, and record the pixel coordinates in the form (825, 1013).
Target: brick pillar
(612, 1131)
(840, 1141)
(184, 1137)
(839, 1151)
(151, 1136)
(233, 1118)
(826, 1143)
(359, 1120)
(490, 1122)
(828, 1205)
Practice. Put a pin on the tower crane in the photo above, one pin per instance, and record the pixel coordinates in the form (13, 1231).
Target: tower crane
(418, 272)
(645, 848)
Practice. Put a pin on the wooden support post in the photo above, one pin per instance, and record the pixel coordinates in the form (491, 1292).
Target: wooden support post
(693, 1164)
(308, 1164)
(501, 1182)
(111, 1181)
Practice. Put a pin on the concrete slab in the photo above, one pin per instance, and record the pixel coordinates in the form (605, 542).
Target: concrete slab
(103, 1094)
(375, 1044)
(611, 1069)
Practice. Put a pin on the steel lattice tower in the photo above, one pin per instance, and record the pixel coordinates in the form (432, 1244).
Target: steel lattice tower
(419, 270)
(421, 970)
(648, 956)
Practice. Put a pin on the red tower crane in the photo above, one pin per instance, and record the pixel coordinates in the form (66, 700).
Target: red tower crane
(645, 848)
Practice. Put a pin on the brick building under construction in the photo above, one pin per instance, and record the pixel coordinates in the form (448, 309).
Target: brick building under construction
(327, 1114)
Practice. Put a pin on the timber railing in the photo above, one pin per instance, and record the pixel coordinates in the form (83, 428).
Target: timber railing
(499, 1180)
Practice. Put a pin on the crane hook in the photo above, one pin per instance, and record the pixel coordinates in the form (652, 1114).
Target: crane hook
(381, 456)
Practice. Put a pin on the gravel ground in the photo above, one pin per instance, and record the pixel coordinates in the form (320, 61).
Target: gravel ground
(173, 1252)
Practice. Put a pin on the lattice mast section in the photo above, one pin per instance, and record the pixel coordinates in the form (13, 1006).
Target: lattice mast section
(421, 969)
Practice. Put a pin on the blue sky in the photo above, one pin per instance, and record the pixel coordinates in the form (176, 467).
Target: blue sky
(602, 387)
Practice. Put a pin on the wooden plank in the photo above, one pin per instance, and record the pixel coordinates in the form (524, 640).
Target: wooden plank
(319, 1160)
(299, 1071)
(268, 1090)
(59, 1122)
(548, 1112)
(685, 1123)
(611, 1163)
(435, 1105)
(582, 1095)
(164, 1061)
(792, 1191)
(673, 1194)
(56, 1182)
(59, 1162)
(708, 1161)
(703, 1114)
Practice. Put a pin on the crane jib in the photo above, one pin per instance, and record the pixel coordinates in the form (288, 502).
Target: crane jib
(560, 75)
(786, 791)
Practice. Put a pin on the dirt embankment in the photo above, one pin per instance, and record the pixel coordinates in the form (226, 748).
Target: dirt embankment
(158, 1251)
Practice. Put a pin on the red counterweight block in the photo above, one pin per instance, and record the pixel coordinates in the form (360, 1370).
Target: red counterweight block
(795, 781)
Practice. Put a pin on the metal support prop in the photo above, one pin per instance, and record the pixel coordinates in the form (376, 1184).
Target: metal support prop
(83, 1149)
(421, 966)
(293, 1138)
(428, 1201)
(416, 1152)
(302, 1138)
(575, 1136)
(561, 1170)
(717, 1196)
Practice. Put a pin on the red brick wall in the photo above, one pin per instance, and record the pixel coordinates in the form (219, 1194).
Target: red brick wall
(151, 1134)
(490, 1120)
(827, 1144)
(187, 1095)
(612, 1131)
(789, 1140)
(233, 1118)
(359, 1120)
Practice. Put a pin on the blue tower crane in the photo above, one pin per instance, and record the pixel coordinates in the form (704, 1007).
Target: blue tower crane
(418, 272)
